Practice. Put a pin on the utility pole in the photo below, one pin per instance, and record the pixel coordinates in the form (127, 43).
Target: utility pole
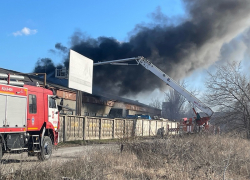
(78, 103)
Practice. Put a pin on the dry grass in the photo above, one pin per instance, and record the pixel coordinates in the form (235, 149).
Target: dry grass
(188, 157)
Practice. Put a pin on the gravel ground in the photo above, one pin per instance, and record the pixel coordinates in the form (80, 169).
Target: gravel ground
(13, 162)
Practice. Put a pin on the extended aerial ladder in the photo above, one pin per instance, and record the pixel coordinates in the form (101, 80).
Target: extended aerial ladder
(151, 67)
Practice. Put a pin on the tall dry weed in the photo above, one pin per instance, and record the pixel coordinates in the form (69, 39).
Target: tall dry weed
(197, 156)
(189, 157)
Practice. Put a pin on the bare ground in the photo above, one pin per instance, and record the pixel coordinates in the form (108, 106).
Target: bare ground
(12, 162)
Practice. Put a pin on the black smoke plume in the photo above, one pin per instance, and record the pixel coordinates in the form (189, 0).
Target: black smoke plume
(44, 65)
(176, 48)
(60, 47)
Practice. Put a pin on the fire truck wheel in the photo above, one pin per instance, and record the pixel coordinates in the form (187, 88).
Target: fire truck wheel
(46, 149)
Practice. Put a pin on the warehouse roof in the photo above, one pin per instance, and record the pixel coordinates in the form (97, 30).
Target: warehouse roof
(63, 84)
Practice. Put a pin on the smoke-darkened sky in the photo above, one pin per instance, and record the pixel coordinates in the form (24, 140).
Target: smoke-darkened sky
(178, 47)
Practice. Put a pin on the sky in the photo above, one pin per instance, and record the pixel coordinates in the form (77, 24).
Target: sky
(30, 29)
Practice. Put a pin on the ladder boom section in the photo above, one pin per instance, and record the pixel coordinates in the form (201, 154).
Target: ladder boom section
(192, 99)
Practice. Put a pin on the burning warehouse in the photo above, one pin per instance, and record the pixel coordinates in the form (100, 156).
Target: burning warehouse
(96, 104)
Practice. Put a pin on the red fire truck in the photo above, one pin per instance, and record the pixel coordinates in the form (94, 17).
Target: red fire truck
(29, 118)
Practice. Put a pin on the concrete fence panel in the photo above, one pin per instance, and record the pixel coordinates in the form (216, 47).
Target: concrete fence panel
(106, 128)
(159, 128)
(119, 128)
(165, 126)
(152, 128)
(138, 127)
(129, 128)
(170, 128)
(146, 127)
(78, 125)
(69, 129)
(73, 128)
(61, 128)
(92, 128)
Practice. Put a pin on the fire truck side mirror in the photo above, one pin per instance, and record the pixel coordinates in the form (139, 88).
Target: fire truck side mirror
(55, 97)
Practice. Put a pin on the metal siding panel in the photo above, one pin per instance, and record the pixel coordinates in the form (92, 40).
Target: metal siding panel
(16, 111)
(2, 109)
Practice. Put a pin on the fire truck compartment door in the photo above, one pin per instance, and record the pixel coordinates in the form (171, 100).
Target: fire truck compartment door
(52, 111)
(16, 111)
(2, 110)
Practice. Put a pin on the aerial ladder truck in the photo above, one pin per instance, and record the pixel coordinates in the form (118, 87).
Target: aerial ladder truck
(199, 121)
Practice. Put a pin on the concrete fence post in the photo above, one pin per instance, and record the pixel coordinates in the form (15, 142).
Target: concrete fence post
(149, 128)
(84, 127)
(156, 126)
(134, 127)
(168, 128)
(113, 128)
(142, 126)
(124, 128)
(62, 128)
(74, 126)
(171, 128)
(65, 122)
(100, 128)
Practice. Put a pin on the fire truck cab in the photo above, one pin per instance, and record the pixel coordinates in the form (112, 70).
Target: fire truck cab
(29, 118)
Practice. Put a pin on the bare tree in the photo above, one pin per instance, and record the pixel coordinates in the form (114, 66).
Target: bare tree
(155, 103)
(175, 103)
(228, 91)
